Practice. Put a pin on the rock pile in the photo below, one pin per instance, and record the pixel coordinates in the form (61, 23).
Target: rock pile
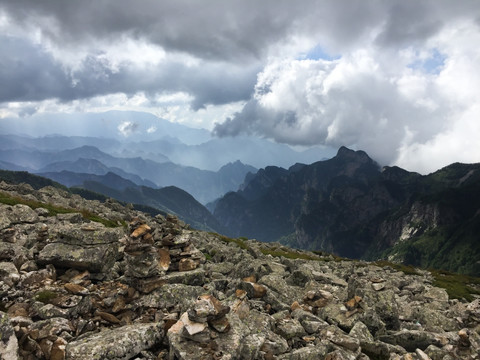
(152, 288)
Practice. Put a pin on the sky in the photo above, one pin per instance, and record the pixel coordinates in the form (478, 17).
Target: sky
(399, 79)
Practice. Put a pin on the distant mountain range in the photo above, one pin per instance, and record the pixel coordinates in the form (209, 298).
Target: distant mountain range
(128, 134)
(204, 185)
(350, 206)
(171, 199)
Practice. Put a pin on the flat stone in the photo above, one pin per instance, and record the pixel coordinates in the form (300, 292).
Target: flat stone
(306, 353)
(410, 340)
(76, 289)
(120, 343)
(192, 327)
(378, 286)
(140, 231)
(194, 277)
(96, 259)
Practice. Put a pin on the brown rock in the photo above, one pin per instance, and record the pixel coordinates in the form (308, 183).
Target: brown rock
(140, 231)
(18, 309)
(295, 305)
(353, 302)
(221, 325)
(147, 238)
(239, 293)
(46, 346)
(252, 279)
(147, 285)
(108, 317)
(76, 289)
(84, 276)
(187, 264)
(464, 341)
(253, 290)
(119, 304)
(219, 309)
(58, 349)
(164, 259)
(168, 240)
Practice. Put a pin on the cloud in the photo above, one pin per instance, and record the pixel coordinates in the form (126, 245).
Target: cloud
(151, 129)
(30, 73)
(127, 128)
(377, 99)
(395, 78)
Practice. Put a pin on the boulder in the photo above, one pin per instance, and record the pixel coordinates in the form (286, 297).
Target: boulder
(120, 343)
(93, 248)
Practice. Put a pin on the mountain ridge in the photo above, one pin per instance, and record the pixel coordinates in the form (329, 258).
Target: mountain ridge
(345, 204)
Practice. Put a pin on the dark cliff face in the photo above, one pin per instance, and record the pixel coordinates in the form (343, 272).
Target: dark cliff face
(279, 202)
(349, 206)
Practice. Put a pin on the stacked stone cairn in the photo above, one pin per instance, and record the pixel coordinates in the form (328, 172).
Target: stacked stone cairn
(142, 269)
(42, 237)
(153, 251)
(201, 323)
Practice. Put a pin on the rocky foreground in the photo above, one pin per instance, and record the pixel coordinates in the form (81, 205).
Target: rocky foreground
(152, 288)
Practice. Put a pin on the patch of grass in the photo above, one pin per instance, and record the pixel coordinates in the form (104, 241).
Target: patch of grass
(53, 210)
(288, 254)
(458, 286)
(227, 240)
(406, 269)
(108, 223)
(45, 296)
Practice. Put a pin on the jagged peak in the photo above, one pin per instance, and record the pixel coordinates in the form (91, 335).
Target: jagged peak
(344, 152)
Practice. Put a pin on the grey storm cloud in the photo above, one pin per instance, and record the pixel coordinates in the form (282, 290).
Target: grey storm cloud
(232, 38)
(29, 73)
(237, 29)
(399, 77)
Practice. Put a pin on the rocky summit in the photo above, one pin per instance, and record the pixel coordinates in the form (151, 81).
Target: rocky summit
(83, 279)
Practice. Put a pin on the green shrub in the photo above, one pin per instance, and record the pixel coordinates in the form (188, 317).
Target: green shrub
(45, 296)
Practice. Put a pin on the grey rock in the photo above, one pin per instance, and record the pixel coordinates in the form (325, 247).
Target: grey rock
(336, 314)
(8, 340)
(381, 350)
(290, 328)
(52, 327)
(14, 253)
(121, 343)
(96, 259)
(307, 353)
(19, 214)
(412, 339)
(9, 273)
(49, 311)
(90, 247)
(171, 296)
(310, 322)
(361, 332)
(194, 277)
(435, 352)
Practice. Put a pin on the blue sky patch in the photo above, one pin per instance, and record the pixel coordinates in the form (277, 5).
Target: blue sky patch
(318, 53)
(430, 65)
